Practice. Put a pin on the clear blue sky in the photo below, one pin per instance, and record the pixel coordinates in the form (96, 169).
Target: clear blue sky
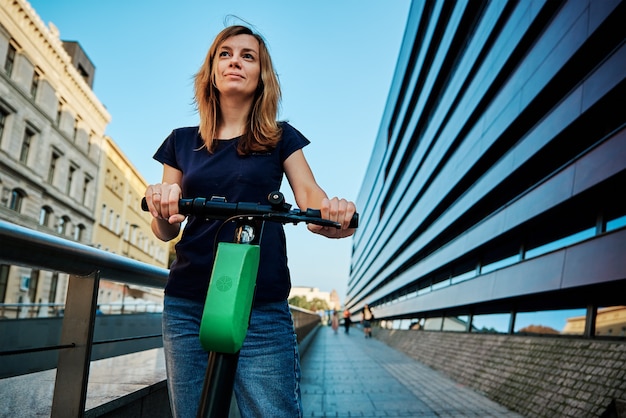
(335, 60)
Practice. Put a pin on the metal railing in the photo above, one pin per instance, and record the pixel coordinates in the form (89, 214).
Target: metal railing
(34, 310)
(86, 266)
(30, 310)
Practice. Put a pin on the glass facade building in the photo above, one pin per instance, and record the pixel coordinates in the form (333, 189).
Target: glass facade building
(494, 197)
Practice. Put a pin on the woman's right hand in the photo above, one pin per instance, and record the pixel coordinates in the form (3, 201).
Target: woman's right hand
(162, 200)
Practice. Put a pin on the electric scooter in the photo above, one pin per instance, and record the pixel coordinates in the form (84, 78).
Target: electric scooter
(230, 295)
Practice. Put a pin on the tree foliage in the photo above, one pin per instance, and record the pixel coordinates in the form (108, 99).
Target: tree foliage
(313, 305)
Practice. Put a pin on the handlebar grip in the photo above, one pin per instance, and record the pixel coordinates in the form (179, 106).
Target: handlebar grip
(316, 213)
(354, 222)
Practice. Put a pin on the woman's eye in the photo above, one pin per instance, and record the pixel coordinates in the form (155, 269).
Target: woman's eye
(224, 54)
(248, 56)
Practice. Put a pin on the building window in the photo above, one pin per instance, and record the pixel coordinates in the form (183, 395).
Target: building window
(79, 232)
(4, 197)
(497, 323)
(33, 284)
(616, 223)
(70, 179)
(551, 322)
(45, 215)
(26, 144)
(456, 323)
(3, 120)
(53, 167)
(17, 197)
(75, 134)
(126, 232)
(59, 113)
(64, 223)
(10, 60)
(611, 321)
(34, 85)
(103, 215)
(54, 283)
(86, 183)
(83, 73)
(92, 137)
(4, 280)
(560, 243)
(61, 225)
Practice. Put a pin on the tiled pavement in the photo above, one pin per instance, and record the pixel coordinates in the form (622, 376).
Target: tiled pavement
(342, 376)
(347, 375)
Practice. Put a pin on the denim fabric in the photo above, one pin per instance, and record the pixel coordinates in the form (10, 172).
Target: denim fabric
(267, 382)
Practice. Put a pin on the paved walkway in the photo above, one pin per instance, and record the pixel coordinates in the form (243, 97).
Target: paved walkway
(342, 376)
(347, 375)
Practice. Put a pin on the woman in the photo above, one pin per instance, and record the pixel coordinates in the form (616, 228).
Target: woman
(334, 322)
(347, 321)
(367, 321)
(240, 152)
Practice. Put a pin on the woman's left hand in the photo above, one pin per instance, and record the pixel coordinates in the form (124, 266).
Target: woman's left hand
(337, 210)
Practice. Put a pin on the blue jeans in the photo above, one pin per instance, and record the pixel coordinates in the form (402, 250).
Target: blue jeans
(267, 382)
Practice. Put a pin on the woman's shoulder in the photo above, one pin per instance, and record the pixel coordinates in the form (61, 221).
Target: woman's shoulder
(288, 129)
(185, 137)
(291, 134)
(186, 131)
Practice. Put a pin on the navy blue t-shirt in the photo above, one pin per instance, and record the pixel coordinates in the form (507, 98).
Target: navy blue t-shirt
(238, 178)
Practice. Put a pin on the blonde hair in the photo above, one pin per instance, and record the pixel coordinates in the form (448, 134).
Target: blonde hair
(263, 131)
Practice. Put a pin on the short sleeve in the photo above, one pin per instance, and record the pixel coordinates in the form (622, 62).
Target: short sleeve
(166, 153)
(292, 140)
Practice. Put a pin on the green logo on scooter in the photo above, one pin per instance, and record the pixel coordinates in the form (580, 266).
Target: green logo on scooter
(224, 283)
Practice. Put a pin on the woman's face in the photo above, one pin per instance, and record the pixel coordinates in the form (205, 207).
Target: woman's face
(238, 67)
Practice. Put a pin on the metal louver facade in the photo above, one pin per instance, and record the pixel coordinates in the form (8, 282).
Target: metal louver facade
(497, 182)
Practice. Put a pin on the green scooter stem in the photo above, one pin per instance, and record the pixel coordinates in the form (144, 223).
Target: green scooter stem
(228, 302)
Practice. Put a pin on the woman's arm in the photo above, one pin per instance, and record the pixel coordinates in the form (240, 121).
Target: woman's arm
(162, 200)
(309, 194)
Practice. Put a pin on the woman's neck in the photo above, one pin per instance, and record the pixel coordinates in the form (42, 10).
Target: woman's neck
(227, 132)
(234, 118)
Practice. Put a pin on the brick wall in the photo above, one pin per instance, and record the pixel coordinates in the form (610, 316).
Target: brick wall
(534, 376)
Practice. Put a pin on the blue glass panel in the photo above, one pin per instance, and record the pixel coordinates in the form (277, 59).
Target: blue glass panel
(491, 323)
(569, 321)
(564, 242)
(616, 223)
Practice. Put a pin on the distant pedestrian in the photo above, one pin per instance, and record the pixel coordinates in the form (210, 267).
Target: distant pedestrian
(367, 321)
(346, 321)
(335, 321)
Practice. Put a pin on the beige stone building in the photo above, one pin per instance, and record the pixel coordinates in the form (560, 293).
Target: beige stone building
(51, 125)
(610, 322)
(59, 173)
(311, 293)
(121, 226)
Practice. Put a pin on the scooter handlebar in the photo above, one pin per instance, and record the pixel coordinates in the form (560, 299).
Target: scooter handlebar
(278, 211)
